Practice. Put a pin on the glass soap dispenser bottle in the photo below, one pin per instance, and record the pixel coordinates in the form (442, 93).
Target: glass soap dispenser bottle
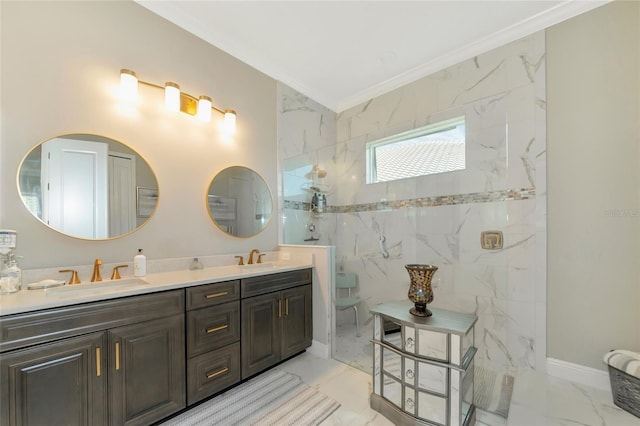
(196, 264)
(10, 274)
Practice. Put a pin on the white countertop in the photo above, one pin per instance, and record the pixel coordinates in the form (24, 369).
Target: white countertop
(33, 300)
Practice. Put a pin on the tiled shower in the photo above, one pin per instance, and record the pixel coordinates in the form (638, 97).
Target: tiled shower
(437, 219)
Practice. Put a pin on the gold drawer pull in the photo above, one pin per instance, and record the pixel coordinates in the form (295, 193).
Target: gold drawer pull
(211, 296)
(217, 373)
(213, 330)
(117, 356)
(98, 362)
(286, 306)
(279, 308)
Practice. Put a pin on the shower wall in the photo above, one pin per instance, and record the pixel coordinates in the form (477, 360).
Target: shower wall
(306, 138)
(438, 219)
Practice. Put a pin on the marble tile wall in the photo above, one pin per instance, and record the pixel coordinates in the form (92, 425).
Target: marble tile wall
(306, 138)
(438, 219)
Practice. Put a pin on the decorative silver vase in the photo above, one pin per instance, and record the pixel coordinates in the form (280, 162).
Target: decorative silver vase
(420, 292)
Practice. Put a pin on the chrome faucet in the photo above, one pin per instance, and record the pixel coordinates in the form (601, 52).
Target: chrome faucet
(96, 271)
(254, 251)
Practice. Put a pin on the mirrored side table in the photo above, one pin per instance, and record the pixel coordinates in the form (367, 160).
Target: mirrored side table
(423, 367)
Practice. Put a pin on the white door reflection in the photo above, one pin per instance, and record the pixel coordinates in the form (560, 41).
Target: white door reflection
(74, 179)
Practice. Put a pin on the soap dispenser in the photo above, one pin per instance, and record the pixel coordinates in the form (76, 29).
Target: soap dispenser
(10, 274)
(196, 264)
(140, 264)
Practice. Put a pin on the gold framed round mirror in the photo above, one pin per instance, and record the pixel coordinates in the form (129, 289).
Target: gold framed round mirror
(88, 186)
(239, 202)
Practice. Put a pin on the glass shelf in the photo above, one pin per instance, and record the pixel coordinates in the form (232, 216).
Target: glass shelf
(314, 187)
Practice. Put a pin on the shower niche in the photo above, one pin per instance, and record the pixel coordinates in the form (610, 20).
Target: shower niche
(316, 191)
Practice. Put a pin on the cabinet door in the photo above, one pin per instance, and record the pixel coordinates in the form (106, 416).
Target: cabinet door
(60, 383)
(296, 320)
(146, 371)
(260, 333)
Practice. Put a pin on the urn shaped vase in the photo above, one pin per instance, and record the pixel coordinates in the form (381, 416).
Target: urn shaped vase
(420, 291)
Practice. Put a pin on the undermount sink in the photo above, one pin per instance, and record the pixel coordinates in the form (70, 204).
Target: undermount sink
(265, 265)
(101, 287)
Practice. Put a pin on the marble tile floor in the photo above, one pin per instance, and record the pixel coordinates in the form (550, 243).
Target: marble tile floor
(538, 399)
(353, 350)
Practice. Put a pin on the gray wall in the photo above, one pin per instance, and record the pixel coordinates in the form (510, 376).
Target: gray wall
(60, 74)
(593, 93)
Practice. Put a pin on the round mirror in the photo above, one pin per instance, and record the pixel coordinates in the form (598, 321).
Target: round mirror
(88, 186)
(239, 202)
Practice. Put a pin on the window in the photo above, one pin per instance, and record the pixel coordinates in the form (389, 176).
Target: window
(435, 148)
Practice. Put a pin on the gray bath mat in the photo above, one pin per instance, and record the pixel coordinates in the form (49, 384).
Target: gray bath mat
(492, 391)
(272, 398)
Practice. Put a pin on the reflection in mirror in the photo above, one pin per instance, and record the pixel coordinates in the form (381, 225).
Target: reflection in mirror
(392, 363)
(432, 344)
(392, 390)
(87, 186)
(392, 332)
(239, 201)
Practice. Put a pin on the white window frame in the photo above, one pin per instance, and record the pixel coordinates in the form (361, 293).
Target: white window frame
(429, 129)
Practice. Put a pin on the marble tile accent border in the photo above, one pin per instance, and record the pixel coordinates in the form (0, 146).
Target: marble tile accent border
(442, 200)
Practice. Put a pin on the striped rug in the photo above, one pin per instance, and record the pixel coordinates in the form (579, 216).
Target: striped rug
(272, 398)
(492, 391)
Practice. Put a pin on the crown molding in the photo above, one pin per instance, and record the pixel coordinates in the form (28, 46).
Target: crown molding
(561, 12)
(514, 32)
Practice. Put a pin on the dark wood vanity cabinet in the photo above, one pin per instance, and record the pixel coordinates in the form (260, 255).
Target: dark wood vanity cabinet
(137, 360)
(55, 383)
(296, 320)
(118, 362)
(146, 371)
(213, 339)
(276, 319)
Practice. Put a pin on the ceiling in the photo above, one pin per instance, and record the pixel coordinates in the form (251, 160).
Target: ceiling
(342, 53)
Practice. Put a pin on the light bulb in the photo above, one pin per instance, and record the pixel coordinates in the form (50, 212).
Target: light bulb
(230, 121)
(172, 96)
(128, 85)
(204, 108)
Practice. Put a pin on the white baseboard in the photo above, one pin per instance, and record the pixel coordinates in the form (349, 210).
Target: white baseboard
(318, 349)
(579, 374)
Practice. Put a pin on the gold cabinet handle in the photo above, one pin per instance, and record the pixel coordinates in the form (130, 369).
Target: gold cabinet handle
(98, 362)
(117, 356)
(213, 330)
(279, 308)
(286, 306)
(217, 373)
(211, 296)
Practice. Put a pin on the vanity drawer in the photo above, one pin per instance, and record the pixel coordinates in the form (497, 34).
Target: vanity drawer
(254, 286)
(212, 372)
(213, 327)
(212, 294)
(32, 328)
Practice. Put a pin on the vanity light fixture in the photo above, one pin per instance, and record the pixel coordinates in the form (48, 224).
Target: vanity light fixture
(176, 100)
(172, 96)
(204, 108)
(229, 121)
(128, 85)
